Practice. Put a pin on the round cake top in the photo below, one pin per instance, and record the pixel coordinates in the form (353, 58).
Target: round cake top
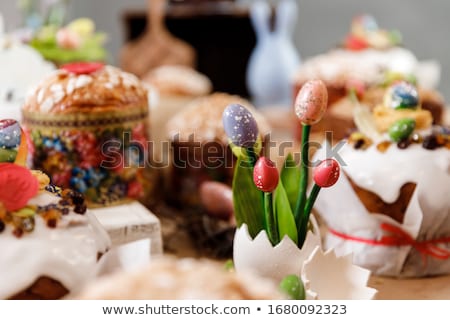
(170, 278)
(87, 88)
(339, 66)
(202, 118)
(179, 80)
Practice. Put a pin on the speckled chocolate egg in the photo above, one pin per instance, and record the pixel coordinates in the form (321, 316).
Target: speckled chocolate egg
(240, 126)
(9, 133)
(311, 102)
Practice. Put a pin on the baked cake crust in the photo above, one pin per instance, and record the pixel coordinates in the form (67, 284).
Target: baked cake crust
(105, 90)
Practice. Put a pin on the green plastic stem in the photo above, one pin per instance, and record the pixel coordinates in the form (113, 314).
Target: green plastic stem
(301, 197)
(272, 229)
(303, 229)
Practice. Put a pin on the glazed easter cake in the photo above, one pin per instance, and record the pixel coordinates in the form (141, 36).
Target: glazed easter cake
(369, 60)
(51, 244)
(396, 215)
(88, 130)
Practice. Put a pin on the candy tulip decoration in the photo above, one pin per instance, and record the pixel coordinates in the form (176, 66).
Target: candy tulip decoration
(278, 206)
(275, 237)
(266, 177)
(310, 106)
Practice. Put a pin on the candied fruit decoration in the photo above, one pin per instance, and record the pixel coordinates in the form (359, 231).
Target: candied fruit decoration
(383, 146)
(440, 139)
(51, 213)
(360, 141)
(51, 223)
(79, 68)
(416, 138)
(359, 144)
(77, 198)
(430, 142)
(18, 233)
(28, 224)
(404, 143)
(80, 209)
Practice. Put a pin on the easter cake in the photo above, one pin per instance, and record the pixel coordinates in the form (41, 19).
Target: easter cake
(171, 279)
(51, 244)
(175, 87)
(395, 183)
(369, 60)
(88, 127)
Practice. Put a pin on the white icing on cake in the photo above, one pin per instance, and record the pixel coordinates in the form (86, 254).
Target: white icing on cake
(385, 173)
(427, 216)
(67, 253)
(369, 66)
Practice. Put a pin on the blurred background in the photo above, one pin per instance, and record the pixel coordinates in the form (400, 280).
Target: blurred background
(321, 25)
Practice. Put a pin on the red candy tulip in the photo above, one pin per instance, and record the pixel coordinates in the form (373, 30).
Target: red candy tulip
(311, 102)
(326, 173)
(82, 67)
(265, 175)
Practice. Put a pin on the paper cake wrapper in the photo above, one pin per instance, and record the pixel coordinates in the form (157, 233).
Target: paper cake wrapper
(342, 211)
(324, 275)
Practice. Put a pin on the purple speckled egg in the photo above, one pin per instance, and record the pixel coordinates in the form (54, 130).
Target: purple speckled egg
(240, 126)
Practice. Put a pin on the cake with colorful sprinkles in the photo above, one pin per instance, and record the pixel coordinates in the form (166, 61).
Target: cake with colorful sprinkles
(390, 207)
(51, 244)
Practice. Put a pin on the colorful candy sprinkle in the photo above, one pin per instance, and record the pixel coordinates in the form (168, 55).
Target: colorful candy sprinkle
(402, 95)
(402, 129)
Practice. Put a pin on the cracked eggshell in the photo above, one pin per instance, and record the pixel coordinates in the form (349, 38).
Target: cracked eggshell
(327, 277)
(275, 262)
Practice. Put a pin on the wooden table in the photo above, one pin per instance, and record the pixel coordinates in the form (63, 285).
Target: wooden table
(433, 288)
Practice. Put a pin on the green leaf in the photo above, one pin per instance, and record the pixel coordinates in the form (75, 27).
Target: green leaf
(290, 177)
(239, 151)
(283, 214)
(247, 199)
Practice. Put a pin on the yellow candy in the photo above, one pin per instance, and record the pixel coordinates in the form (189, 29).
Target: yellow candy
(84, 27)
(42, 178)
(25, 212)
(385, 117)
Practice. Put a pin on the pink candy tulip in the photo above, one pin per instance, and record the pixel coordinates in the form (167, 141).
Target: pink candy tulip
(311, 102)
